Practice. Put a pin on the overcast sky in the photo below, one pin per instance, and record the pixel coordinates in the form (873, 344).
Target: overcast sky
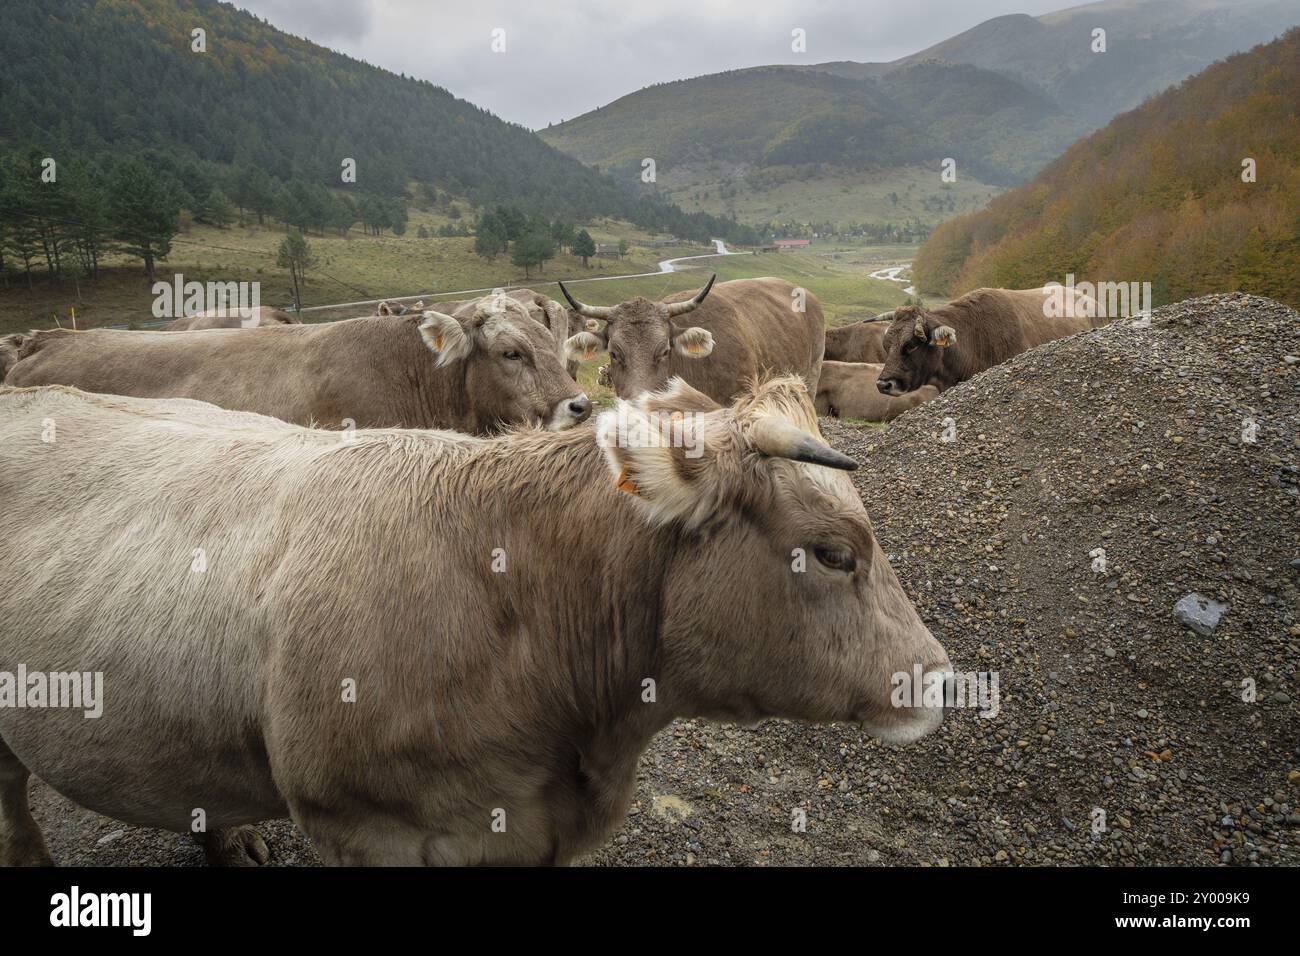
(567, 57)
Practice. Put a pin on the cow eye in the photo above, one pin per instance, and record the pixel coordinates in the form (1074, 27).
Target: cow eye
(616, 359)
(910, 347)
(512, 355)
(836, 559)
(664, 354)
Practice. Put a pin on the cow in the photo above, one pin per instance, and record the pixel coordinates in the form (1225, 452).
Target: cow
(848, 390)
(394, 640)
(858, 341)
(488, 366)
(559, 321)
(258, 317)
(949, 344)
(10, 346)
(396, 308)
(746, 327)
(562, 322)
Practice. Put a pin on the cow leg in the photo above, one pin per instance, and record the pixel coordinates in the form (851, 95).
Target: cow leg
(234, 846)
(21, 843)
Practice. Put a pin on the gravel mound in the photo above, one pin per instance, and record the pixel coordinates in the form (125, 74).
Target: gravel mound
(1127, 733)
(1124, 439)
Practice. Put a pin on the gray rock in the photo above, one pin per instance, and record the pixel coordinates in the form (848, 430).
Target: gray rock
(1200, 613)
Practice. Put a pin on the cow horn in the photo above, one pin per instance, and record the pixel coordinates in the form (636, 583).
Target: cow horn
(919, 329)
(590, 311)
(777, 438)
(681, 308)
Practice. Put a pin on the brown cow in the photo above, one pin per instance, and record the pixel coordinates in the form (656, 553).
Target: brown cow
(260, 316)
(848, 390)
(953, 342)
(393, 640)
(396, 308)
(488, 366)
(745, 328)
(560, 321)
(10, 346)
(858, 341)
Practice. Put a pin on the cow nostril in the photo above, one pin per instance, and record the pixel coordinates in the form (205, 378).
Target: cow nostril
(581, 407)
(884, 385)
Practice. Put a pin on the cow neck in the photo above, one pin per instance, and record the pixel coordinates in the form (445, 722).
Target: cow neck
(977, 348)
(439, 398)
(589, 540)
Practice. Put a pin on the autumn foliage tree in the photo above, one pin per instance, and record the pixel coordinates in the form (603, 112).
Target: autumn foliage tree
(1196, 191)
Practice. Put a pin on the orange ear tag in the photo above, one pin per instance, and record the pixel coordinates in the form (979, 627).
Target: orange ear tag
(437, 342)
(589, 354)
(625, 483)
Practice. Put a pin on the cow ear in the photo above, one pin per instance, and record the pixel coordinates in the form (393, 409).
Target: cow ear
(694, 342)
(667, 460)
(583, 347)
(384, 309)
(446, 338)
(944, 336)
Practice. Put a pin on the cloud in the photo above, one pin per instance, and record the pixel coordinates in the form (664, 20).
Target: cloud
(328, 22)
(562, 60)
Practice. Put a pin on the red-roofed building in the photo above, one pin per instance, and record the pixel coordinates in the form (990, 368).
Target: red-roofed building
(792, 243)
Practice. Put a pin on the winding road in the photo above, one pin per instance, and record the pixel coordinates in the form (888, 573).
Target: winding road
(665, 266)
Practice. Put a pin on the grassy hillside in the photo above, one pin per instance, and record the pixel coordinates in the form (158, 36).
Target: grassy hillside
(897, 194)
(361, 267)
(349, 269)
(1157, 195)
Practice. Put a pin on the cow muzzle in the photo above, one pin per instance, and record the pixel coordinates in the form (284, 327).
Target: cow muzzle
(569, 412)
(890, 386)
(917, 709)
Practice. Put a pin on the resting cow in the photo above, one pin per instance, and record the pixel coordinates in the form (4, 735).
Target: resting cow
(10, 345)
(259, 317)
(744, 328)
(408, 661)
(858, 341)
(848, 390)
(396, 308)
(948, 345)
(487, 366)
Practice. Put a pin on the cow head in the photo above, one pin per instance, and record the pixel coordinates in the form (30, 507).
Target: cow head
(639, 336)
(750, 493)
(508, 364)
(914, 350)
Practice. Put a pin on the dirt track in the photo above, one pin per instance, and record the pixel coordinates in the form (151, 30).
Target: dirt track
(1123, 438)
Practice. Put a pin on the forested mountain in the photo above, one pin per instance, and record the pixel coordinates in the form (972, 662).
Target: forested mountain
(89, 81)
(1150, 46)
(1003, 98)
(782, 116)
(1195, 191)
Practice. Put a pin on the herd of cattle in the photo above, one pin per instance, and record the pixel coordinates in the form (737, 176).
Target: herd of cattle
(435, 639)
(512, 357)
